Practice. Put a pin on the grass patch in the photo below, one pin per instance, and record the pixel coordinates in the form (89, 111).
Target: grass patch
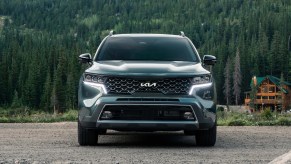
(283, 121)
(26, 115)
(238, 122)
(265, 118)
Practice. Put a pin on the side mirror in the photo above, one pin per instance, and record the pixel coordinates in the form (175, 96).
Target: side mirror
(209, 60)
(85, 58)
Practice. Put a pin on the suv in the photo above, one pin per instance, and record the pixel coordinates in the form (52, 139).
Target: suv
(147, 82)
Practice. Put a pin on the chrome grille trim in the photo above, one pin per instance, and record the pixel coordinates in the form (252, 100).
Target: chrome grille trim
(167, 86)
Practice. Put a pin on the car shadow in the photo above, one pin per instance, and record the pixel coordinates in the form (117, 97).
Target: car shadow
(153, 139)
(170, 140)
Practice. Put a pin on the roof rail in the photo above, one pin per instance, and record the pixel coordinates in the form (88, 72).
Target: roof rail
(111, 33)
(182, 34)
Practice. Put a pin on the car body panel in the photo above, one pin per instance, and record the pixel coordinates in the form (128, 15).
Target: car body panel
(149, 68)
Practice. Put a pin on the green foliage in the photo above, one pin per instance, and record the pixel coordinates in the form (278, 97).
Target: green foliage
(16, 102)
(284, 121)
(227, 82)
(46, 95)
(237, 122)
(25, 115)
(267, 114)
(253, 95)
(90, 21)
(70, 115)
(254, 119)
(24, 111)
(60, 80)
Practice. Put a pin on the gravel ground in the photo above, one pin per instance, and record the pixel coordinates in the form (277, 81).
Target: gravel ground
(57, 143)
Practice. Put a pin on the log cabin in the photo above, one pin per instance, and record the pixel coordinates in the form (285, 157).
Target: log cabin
(268, 92)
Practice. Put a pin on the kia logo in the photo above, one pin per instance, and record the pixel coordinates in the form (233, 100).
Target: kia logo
(148, 84)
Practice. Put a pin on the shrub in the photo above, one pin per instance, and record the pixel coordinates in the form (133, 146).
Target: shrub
(237, 122)
(284, 121)
(4, 119)
(266, 123)
(71, 115)
(267, 114)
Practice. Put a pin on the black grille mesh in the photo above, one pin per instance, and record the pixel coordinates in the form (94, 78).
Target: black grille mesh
(169, 86)
(148, 112)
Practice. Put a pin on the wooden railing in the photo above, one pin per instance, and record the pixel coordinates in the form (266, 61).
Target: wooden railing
(264, 101)
(269, 94)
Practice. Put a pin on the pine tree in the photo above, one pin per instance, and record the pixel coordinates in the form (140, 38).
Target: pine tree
(284, 59)
(54, 100)
(263, 52)
(59, 94)
(70, 90)
(253, 94)
(281, 85)
(16, 102)
(33, 84)
(237, 78)
(276, 55)
(227, 82)
(46, 95)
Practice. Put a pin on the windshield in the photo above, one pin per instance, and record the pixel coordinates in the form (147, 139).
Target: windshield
(147, 48)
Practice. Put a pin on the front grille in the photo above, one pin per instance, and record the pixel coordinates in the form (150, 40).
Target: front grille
(169, 86)
(148, 112)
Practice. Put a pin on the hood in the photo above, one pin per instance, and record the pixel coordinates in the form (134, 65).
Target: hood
(147, 68)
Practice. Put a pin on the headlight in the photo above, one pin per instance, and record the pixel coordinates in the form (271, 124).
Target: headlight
(96, 81)
(95, 78)
(201, 79)
(200, 82)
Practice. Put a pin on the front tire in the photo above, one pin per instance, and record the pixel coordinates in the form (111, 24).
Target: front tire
(206, 138)
(87, 136)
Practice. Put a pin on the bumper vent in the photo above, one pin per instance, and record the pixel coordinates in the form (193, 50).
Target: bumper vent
(169, 86)
(148, 112)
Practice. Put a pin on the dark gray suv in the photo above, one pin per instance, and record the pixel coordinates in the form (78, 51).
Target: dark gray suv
(147, 82)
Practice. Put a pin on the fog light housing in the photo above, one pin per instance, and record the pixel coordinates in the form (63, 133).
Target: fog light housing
(188, 116)
(106, 115)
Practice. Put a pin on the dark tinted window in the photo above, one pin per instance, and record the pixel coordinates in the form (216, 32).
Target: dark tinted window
(147, 48)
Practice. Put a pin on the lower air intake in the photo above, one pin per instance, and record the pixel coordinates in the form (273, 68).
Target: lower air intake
(148, 112)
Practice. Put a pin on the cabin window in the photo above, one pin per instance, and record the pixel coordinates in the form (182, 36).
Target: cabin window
(265, 89)
(265, 97)
(259, 90)
(272, 90)
(272, 97)
(259, 97)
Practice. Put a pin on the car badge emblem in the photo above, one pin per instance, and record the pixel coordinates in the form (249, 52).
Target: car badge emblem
(148, 84)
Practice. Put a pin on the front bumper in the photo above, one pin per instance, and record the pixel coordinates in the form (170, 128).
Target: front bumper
(92, 102)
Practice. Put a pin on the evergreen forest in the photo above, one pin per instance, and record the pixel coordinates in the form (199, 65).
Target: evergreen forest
(40, 41)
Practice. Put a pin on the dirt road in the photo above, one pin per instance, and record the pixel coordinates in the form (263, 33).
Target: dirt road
(57, 143)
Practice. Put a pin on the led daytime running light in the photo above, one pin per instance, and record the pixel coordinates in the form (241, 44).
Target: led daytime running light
(95, 79)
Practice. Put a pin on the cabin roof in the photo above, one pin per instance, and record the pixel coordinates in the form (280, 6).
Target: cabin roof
(273, 79)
